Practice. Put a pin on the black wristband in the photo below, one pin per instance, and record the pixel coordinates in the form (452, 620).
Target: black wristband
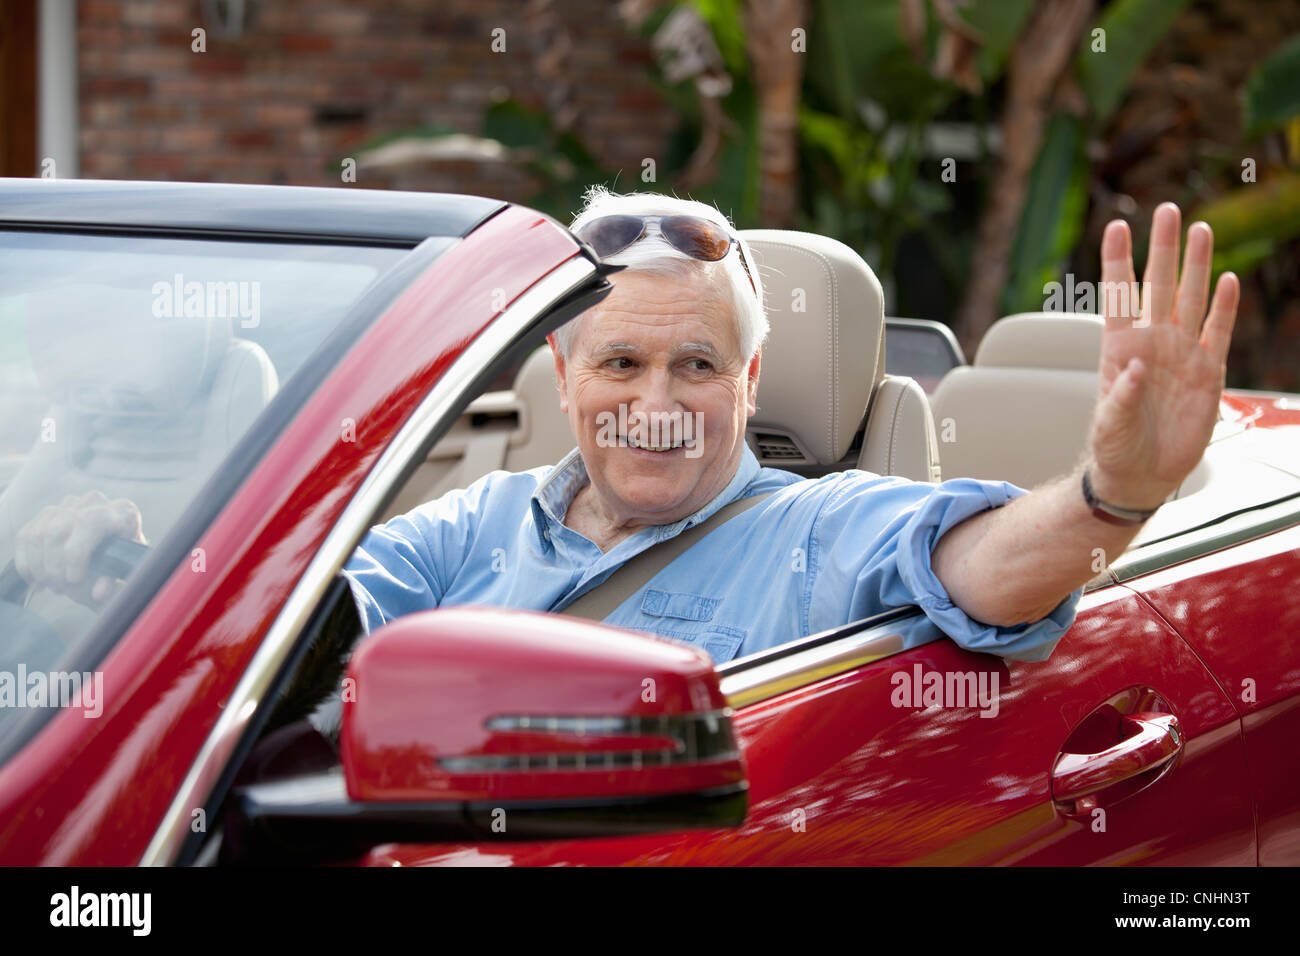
(1112, 514)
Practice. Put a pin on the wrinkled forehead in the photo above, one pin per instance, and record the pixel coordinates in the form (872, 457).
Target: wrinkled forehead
(662, 311)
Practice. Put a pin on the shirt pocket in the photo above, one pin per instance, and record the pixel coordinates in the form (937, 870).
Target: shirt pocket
(676, 604)
(722, 643)
(688, 618)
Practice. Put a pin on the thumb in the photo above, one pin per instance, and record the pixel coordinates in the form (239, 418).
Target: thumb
(1117, 409)
(1126, 393)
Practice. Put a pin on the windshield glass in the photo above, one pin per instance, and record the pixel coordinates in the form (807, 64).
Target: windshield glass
(129, 368)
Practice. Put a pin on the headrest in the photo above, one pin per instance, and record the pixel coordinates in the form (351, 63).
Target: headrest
(1065, 340)
(826, 349)
(100, 348)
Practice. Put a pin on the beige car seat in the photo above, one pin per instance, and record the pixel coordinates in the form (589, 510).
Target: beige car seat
(1021, 412)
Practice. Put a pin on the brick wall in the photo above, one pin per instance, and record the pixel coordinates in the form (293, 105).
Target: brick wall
(308, 82)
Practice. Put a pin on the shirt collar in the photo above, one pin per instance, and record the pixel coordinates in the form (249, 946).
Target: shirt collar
(550, 502)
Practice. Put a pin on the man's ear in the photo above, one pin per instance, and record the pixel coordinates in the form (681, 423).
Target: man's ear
(559, 372)
(752, 397)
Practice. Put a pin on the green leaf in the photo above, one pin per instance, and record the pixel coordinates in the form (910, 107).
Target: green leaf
(999, 23)
(1131, 28)
(517, 126)
(723, 18)
(1272, 92)
(1244, 258)
(1053, 217)
(856, 50)
(1255, 211)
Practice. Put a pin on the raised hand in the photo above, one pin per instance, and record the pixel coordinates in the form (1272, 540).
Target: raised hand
(1162, 370)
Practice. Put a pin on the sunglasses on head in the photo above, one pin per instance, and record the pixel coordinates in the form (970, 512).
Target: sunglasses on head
(695, 236)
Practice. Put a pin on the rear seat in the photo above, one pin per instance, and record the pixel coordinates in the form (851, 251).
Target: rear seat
(1020, 412)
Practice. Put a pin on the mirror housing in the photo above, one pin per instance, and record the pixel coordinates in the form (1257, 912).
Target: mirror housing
(476, 723)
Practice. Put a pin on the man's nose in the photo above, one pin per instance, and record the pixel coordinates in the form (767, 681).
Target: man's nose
(655, 391)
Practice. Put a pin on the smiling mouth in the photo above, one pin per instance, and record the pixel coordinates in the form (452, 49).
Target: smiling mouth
(633, 443)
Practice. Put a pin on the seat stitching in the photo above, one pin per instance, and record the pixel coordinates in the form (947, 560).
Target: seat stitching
(894, 430)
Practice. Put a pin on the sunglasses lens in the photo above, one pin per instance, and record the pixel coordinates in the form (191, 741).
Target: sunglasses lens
(611, 234)
(698, 238)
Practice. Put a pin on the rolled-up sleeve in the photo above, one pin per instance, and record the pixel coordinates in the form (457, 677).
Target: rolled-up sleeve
(406, 565)
(872, 545)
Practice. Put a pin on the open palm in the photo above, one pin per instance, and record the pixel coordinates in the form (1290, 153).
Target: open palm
(1161, 371)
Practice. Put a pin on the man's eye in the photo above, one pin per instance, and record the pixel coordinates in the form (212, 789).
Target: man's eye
(700, 365)
(620, 363)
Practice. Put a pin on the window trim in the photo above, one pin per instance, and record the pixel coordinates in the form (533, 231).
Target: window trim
(1219, 534)
(768, 673)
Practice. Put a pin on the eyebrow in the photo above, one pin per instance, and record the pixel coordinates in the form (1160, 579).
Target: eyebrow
(702, 347)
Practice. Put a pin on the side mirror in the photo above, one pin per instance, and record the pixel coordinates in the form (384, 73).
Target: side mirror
(471, 724)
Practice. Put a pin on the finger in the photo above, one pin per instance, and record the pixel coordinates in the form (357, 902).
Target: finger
(83, 539)
(57, 529)
(102, 589)
(29, 553)
(33, 558)
(1217, 334)
(22, 563)
(128, 522)
(1159, 280)
(1119, 303)
(1194, 286)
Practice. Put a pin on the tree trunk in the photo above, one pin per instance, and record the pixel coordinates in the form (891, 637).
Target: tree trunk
(777, 70)
(1041, 56)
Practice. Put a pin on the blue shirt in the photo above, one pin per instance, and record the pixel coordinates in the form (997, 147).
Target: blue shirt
(816, 554)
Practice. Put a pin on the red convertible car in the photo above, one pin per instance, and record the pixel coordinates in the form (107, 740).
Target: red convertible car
(268, 372)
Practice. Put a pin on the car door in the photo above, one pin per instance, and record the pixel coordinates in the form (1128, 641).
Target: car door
(852, 760)
(1239, 608)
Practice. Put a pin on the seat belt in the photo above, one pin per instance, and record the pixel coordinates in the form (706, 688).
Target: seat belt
(602, 600)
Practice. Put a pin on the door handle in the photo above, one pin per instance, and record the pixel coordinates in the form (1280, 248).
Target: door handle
(1158, 739)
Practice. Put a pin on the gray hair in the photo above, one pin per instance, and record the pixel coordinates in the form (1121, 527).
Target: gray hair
(656, 257)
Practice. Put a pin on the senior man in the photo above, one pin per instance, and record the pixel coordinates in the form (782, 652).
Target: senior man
(679, 340)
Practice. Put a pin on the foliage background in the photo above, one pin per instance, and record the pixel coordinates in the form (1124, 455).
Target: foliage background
(1048, 132)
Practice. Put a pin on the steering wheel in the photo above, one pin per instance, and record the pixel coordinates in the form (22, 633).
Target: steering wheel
(114, 557)
(27, 637)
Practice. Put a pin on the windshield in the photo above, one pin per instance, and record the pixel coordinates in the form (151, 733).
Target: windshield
(129, 368)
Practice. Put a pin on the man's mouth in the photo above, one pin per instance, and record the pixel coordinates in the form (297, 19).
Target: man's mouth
(633, 443)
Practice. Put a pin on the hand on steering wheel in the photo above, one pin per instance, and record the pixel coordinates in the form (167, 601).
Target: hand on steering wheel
(81, 534)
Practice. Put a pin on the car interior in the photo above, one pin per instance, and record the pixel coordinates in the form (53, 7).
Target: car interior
(147, 414)
(828, 400)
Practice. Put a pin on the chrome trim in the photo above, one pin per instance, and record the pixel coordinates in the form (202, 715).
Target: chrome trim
(756, 678)
(701, 737)
(338, 544)
(1198, 542)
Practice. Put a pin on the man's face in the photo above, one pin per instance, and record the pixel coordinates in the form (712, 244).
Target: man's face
(659, 350)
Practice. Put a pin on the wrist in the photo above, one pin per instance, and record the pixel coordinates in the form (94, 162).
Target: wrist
(1116, 504)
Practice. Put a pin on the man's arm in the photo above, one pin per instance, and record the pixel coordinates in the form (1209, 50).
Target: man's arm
(1014, 564)
(1160, 380)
